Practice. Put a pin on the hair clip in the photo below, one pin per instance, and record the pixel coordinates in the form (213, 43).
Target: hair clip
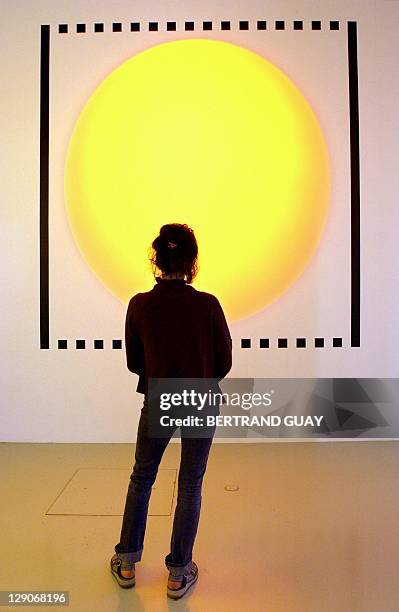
(171, 245)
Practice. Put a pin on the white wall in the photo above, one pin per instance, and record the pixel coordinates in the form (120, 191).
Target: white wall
(88, 395)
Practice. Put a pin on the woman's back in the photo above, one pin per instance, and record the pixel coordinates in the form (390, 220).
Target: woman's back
(176, 331)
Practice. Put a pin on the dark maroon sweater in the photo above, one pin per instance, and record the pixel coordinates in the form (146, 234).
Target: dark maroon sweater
(176, 331)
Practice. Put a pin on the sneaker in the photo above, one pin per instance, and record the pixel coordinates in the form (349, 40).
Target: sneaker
(186, 581)
(125, 583)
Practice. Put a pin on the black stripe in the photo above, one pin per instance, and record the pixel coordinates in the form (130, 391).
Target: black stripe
(44, 185)
(355, 182)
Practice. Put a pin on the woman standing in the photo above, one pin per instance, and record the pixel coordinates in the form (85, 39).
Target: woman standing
(171, 331)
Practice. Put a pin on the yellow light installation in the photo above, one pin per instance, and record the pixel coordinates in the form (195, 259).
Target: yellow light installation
(210, 134)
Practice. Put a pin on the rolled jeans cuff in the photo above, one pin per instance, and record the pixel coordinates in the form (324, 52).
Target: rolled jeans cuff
(180, 570)
(129, 559)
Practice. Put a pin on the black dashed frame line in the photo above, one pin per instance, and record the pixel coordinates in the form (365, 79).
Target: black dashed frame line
(263, 343)
(282, 343)
(79, 343)
(189, 26)
(201, 25)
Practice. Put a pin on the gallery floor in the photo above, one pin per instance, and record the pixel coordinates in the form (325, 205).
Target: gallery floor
(285, 527)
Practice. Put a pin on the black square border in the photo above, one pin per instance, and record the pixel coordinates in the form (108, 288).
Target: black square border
(206, 25)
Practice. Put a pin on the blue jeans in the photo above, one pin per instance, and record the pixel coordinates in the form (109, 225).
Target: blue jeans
(148, 455)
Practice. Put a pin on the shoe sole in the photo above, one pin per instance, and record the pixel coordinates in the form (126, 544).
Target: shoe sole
(179, 593)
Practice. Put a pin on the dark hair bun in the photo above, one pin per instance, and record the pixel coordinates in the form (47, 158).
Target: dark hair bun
(175, 250)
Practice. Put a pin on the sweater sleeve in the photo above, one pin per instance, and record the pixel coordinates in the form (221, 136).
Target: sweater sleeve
(133, 343)
(222, 342)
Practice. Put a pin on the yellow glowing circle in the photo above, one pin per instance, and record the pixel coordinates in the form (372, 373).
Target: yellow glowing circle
(210, 134)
